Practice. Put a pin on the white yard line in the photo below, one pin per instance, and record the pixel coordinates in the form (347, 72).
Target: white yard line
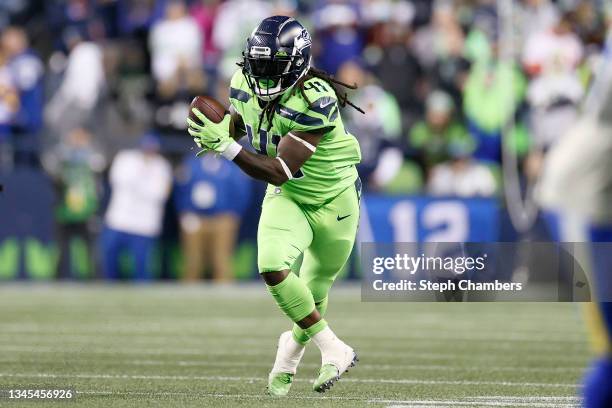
(398, 355)
(453, 403)
(525, 398)
(556, 402)
(257, 379)
(379, 367)
(424, 335)
(400, 346)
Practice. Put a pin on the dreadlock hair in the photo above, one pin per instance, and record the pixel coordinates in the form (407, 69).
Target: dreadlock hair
(341, 94)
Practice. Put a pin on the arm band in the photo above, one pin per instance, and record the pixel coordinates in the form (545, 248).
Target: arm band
(285, 168)
(232, 151)
(303, 142)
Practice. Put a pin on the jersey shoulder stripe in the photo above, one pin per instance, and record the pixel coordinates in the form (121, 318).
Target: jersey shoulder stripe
(334, 114)
(239, 95)
(299, 117)
(312, 108)
(323, 105)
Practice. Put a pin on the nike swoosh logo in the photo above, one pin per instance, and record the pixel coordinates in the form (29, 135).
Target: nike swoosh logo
(339, 218)
(215, 141)
(324, 105)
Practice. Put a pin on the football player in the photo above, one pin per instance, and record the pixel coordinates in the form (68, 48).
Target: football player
(290, 112)
(576, 192)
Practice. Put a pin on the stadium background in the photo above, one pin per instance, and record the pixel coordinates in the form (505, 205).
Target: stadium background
(447, 92)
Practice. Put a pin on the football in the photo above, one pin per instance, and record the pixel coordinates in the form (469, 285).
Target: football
(210, 107)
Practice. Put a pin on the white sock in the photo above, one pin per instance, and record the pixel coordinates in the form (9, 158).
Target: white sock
(293, 347)
(333, 350)
(288, 362)
(325, 339)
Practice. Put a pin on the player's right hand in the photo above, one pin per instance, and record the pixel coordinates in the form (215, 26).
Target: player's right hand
(209, 135)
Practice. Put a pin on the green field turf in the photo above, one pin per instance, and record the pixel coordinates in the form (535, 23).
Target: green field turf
(168, 346)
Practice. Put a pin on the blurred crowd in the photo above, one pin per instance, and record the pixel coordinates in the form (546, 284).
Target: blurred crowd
(95, 94)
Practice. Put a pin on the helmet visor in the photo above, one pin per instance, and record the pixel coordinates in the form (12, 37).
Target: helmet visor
(267, 68)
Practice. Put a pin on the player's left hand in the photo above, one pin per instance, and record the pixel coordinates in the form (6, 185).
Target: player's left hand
(210, 136)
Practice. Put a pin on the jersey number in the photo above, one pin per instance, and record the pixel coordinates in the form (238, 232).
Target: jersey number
(316, 85)
(264, 138)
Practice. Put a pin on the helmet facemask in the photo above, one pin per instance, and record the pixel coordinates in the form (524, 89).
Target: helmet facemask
(271, 76)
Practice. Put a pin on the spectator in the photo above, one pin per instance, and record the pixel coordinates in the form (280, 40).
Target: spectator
(134, 21)
(429, 139)
(339, 34)
(211, 196)
(378, 129)
(440, 49)
(204, 12)
(535, 15)
(75, 165)
(235, 20)
(9, 106)
(26, 71)
(73, 103)
(492, 93)
(552, 57)
(176, 50)
(461, 176)
(441, 39)
(554, 48)
(140, 182)
(589, 24)
(15, 11)
(395, 65)
(70, 13)
(135, 17)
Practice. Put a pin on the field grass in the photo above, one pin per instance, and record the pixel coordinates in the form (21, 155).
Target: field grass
(168, 346)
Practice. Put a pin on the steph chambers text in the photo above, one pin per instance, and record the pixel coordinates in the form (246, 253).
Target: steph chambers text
(443, 286)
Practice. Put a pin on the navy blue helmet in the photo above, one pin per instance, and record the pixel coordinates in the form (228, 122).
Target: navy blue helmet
(276, 56)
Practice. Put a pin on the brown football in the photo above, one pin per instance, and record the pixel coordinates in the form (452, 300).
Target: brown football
(212, 109)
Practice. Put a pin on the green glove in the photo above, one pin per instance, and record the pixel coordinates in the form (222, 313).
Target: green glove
(211, 136)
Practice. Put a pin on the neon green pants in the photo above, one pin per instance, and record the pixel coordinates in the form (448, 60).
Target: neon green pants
(324, 235)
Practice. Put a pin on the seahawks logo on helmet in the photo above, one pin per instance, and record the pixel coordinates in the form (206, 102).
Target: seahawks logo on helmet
(276, 56)
(303, 40)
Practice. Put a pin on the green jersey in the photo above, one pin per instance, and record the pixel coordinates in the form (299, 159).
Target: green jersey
(331, 169)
